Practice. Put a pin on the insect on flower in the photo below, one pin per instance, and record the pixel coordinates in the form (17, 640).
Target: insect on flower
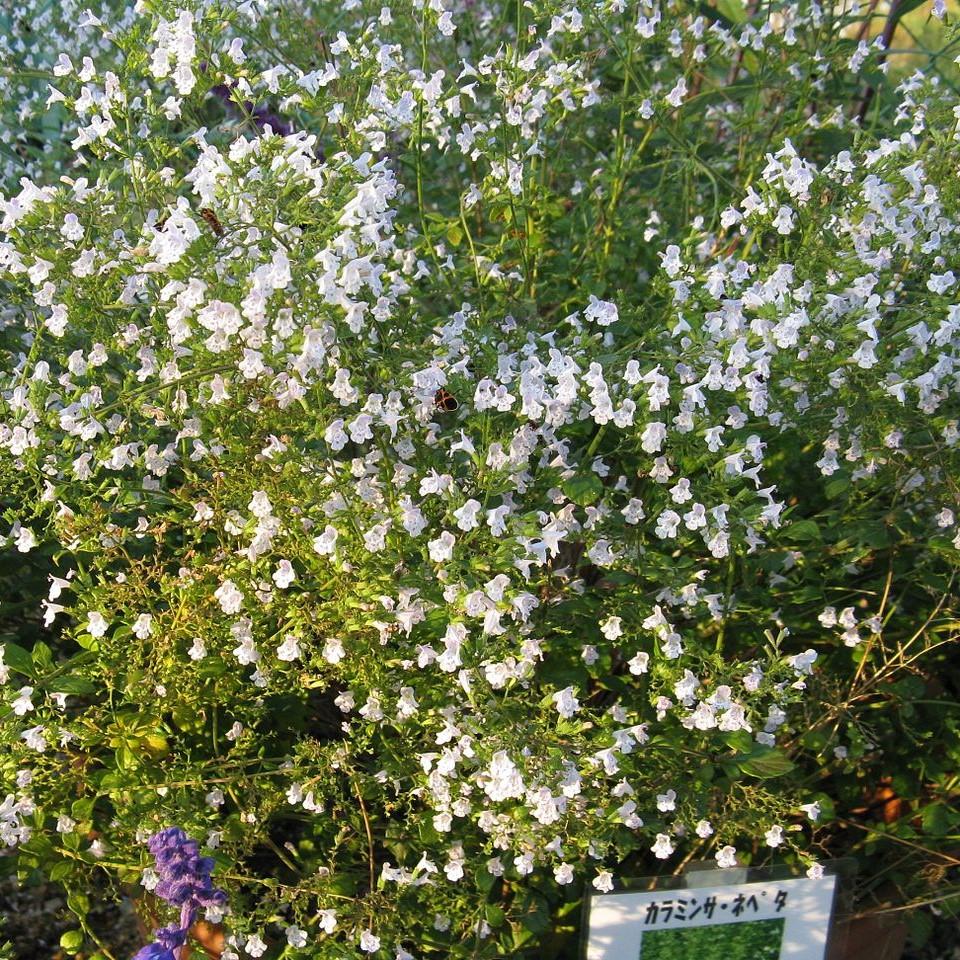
(211, 218)
(445, 401)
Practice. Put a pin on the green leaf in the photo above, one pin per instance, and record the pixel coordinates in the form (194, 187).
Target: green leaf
(534, 914)
(837, 487)
(734, 10)
(583, 490)
(766, 764)
(921, 927)
(60, 871)
(739, 740)
(939, 819)
(18, 659)
(74, 685)
(873, 535)
(706, 773)
(126, 758)
(910, 687)
(79, 904)
(42, 656)
(802, 530)
(88, 642)
(484, 879)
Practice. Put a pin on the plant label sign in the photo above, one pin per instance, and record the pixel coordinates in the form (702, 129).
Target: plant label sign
(770, 920)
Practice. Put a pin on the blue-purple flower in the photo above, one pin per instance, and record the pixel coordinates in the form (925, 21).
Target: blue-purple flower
(185, 882)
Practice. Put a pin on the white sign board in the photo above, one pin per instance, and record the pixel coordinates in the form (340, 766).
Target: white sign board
(771, 920)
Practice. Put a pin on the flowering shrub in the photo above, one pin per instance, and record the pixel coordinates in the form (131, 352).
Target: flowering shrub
(452, 437)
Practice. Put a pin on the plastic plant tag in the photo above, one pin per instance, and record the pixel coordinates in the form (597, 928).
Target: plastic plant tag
(786, 919)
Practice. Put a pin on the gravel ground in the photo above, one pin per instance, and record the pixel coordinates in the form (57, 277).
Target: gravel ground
(35, 917)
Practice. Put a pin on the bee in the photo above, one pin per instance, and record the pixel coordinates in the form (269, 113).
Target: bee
(211, 218)
(445, 401)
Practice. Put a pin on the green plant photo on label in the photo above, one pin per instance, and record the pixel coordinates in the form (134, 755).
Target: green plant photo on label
(459, 455)
(749, 940)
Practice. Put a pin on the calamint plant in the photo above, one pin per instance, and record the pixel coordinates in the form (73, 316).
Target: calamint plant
(457, 454)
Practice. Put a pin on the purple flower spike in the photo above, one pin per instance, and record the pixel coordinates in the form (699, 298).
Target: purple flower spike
(154, 952)
(185, 882)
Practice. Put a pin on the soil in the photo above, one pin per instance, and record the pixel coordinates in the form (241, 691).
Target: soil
(33, 918)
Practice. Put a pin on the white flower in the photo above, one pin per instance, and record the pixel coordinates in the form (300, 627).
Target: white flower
(375, 538)
(441, 549)
(255, 946)
(603, 881)
(667, 801)
(368, 942)
(652, 438)
(229, 597)
(726, 857)
(639, 663)
(601, 312)
(289, 649)
(97, 624)
(611, 628)
(25, 540)
(676, 95)
(246, 652)
(35, 739)
(566, 702)
(784, 221)
(445, 24)
(284, 575)
(662, 848)
(502, 778)
(774, 836)
(671, 260)
(467, 515)
(235, 51)
(296, 937)
(333, 650)
(326, 543)
(23, 704)
(803, 662)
